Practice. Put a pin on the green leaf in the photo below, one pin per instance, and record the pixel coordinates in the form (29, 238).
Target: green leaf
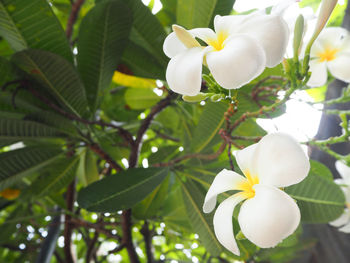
(142, 63)
(55, 177)
(32, 24)
(150, 206)
(8, 71)
(320, 200)
(103, 35)
(138, 99)
(195, 13)
(57, 76)
(321, 170)
(19, 129)
(87, 170)
(209, 125)
(201, 223)
(22, 162)
(121, 191)
(147, 31)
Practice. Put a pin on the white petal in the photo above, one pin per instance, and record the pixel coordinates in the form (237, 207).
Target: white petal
(229, 24)
(332, 37)
(340, 67)
(272, 33)
(269, 217)
(280, 161)
(245, 158)
(223, 223)
(318, 73)
(184, 71)
(342, 220)
(240, 61)
(224, 181)
(343, 170)
(346, 228)
(172, 45)
(281, 7)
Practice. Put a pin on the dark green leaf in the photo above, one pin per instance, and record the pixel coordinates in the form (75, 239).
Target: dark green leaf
(121, 191)
(20, 129)
(8, 72)
(32, 24)
(201, 223)
(103, 35)
(57, 76)
(320, 200)
(22, 162)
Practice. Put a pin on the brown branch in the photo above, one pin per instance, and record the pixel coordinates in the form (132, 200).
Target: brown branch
(97, 149)
(135, 151)
(68, 227)
(91, 248)
(147, 236)
(73, 17)
(165, 136)
(127, 237)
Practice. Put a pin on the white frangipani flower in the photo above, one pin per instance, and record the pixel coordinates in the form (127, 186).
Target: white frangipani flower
(331, 51)
(343, 222)
(268, 215)
(237, 52)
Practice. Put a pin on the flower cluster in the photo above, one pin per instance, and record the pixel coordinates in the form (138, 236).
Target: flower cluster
(236, 53)
(268, 214)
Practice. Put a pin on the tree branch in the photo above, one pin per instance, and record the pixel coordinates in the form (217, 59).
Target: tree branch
(127, 237)
(97, 149)
(147, 236)
(73, 17)
(68, 227)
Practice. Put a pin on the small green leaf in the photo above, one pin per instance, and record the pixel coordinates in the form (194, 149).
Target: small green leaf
(138, 99)
(121, 191)
(87, 170)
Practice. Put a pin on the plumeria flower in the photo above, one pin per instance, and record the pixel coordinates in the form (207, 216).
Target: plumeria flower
(268, 214)
(331, 51)
(236, 53)
(343, 222)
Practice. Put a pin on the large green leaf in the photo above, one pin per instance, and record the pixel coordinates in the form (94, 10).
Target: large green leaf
(320, 200)
(201, 223)
(200, 13)
(208, 126)
(57, 76)
(19, 129)
(103, 35)
(139, 99)
(22, 162)
(121, 191)
(32, 24)
(147, 30)
(142, 63)
(56, 177)
(7, 71)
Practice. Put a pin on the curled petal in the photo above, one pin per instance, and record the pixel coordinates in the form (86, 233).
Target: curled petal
(269, 217)
(229, 24)
(346, 228)
(340, 67)
(272, 33)
(245, 158)
(343, 170)
(223, 223)
(184, 71)
(342, 220)
(172, 45)
(318, 73)
(280, 161)
(240, 61)
(225, 180)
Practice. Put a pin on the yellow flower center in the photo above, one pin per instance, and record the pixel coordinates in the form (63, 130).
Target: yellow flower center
(218, 42)
(247, 186)
(328, 54)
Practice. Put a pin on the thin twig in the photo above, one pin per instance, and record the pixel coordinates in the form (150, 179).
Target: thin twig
(127, 237)
(68, 227)
(147, 236)
(73, 17)
(98, 150)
